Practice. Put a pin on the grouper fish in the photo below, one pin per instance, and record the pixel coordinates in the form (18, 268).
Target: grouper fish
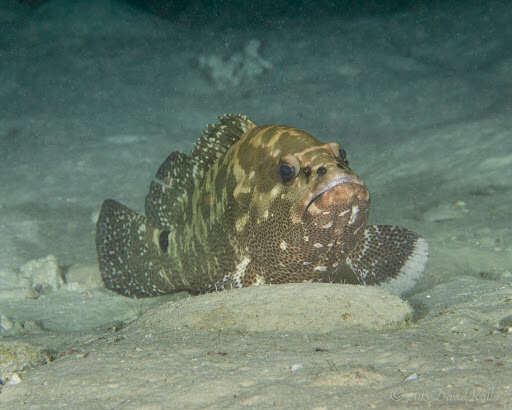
(253, 205)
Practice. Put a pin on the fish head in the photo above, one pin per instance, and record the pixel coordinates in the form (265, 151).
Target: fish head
(305, 205)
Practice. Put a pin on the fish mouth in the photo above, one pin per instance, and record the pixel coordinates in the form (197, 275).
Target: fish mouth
(338, 180)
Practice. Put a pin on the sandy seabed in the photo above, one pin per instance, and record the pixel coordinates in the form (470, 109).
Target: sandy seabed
(286, 346)
(101, 93)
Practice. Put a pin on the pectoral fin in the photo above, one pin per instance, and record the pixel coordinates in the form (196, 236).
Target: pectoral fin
(389, 256)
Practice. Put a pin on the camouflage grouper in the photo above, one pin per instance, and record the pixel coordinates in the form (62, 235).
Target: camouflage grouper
(253, 205)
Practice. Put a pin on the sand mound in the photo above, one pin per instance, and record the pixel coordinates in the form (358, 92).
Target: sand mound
(306, 308)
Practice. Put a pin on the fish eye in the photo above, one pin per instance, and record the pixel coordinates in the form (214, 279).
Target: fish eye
(342, 154)
(286, 172)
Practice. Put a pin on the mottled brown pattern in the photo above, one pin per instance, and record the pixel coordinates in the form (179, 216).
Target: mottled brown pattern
(253, 205)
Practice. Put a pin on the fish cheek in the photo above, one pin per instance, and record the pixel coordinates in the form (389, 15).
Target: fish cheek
(277, 246)
(266, 227)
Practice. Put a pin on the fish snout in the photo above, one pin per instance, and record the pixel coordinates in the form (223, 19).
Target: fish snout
(343, 195)
(341, 190)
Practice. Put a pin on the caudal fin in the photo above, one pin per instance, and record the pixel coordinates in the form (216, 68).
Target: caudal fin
(389, 256)
(131, 252)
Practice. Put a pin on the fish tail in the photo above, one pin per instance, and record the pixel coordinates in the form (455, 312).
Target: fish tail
(389, 256)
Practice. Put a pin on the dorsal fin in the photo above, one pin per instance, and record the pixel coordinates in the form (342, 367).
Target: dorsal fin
(174, 181)
(217, 139)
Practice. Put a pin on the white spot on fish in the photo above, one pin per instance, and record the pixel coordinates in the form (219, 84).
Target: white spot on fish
(318, 245)
(283, 245)
(353, 216)
(240, 271)
(260, 280)
(275, 191)
(240, 222)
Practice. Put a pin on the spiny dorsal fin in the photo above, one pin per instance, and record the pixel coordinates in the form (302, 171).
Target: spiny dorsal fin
(217, 139)
(174, 182)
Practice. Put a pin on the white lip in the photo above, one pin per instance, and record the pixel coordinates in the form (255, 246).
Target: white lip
(338, 180)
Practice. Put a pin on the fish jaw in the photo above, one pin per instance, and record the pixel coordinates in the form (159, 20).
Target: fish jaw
(341, 191)
(342, 194)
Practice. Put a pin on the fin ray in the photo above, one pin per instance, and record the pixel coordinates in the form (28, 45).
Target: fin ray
(217, 139)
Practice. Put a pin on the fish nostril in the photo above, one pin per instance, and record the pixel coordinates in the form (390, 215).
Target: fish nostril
(321, 170)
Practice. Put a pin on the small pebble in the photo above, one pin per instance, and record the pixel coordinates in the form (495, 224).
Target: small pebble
(296, 367)
(412, 377)
(14, 378)
(5, 322)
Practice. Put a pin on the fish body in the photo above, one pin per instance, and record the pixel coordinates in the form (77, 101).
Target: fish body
(253, 205)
